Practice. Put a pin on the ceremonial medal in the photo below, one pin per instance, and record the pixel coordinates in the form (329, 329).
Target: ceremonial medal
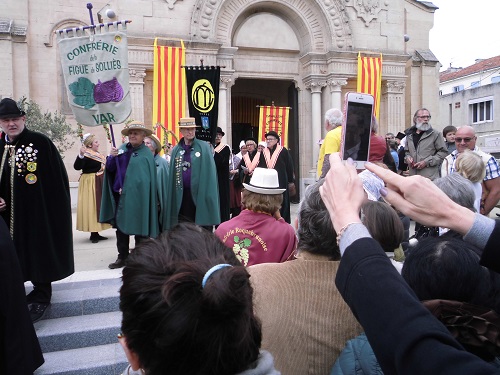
(30, 178)
(31, 166)
(197, 154)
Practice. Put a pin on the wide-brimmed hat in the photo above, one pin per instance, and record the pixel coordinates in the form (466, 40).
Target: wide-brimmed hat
(219, 131)
(156, 141)
(264, 181)
(9, 109)
(272, 133)
(136, 125)
(188, 122)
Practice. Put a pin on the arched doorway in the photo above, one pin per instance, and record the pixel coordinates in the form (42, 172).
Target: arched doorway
(247, 94)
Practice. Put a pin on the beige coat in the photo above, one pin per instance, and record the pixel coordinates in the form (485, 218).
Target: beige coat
(305, 321)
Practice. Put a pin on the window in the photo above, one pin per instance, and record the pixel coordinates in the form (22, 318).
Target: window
(474, 84)
(458, 88)
(481, 110)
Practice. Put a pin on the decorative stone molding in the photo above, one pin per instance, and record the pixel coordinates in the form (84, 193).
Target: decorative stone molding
(368, 10)
(171, 3)
(226, 82)
(316, 86)
(396, 86)
(64, 24)
(215, 20)
(336, 82)
(137, 75)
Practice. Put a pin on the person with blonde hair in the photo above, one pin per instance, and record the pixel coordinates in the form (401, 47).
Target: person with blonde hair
(91, 162)
(471, 166)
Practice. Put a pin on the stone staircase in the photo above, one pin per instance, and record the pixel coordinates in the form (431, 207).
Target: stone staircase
(79, 328)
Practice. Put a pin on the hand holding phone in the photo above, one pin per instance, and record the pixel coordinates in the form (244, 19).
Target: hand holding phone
(356, 129)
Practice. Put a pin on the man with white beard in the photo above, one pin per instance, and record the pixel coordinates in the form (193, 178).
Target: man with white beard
(425, 148)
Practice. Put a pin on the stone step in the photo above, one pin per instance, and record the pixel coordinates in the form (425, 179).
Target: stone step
(84, 298)
(97, 360)
(78, 331)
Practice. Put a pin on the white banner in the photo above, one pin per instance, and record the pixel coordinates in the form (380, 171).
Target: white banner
(96, 75)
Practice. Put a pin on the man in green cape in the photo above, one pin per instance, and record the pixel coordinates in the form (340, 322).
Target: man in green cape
(192, 190)
(129, 197)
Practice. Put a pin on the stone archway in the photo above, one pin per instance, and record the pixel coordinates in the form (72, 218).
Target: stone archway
(322, 25)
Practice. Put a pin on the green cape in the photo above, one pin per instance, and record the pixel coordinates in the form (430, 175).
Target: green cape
(204, 186)
(137, 210)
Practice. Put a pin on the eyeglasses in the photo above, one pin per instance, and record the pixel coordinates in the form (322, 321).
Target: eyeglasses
(250, 144)
(466, 140)
(271, 139)
(425, 116)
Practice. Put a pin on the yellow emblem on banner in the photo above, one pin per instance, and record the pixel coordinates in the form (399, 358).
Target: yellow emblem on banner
(30, 178)
(31, 166)
(203, 95)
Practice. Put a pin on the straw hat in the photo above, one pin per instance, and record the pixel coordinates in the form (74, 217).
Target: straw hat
(136, 125)
(264, 181)
(156, 141)
(188, 122)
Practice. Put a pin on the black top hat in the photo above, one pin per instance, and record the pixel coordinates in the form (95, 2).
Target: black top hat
(400, 135)
(219, 131)
(251, 139)
(9, 109)
(272, 133)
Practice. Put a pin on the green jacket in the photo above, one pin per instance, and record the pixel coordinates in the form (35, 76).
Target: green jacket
(204, 186)
(135, 210)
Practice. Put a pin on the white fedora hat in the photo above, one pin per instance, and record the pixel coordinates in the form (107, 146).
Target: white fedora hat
(264, 181)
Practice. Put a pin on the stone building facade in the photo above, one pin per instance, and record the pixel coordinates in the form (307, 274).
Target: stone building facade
(297, 53)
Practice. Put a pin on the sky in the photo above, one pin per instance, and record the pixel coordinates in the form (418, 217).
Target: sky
(465, 30)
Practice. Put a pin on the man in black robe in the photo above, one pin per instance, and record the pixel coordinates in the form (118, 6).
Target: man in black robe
(249, 161)
(20, 351)
(35, 204)
(222, 153)
(277, 157)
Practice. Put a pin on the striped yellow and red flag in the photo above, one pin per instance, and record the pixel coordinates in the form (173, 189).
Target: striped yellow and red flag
(274, 118)
(370, 78)
(169, 89)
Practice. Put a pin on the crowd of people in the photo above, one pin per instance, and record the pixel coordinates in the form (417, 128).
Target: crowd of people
(344, 290)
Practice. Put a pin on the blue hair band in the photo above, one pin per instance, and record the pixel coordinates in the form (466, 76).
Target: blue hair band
(211, 271)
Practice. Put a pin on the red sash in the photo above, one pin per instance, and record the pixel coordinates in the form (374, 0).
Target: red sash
(251, 164)
(271, 160)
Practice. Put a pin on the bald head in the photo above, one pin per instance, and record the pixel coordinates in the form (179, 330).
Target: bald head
(333, 118)
(465, 138)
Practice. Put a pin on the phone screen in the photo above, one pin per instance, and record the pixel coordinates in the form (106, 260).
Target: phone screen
(357, 131)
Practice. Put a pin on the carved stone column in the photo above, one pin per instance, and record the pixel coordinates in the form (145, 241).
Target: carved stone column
(136, 83)
(224, 105)
(335, 85)
(316, 123)
(393, 101)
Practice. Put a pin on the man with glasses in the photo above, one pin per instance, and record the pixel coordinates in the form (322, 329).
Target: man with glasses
(250, 160)
(465, 139)
(277, 157)
(192, 189)
(425, 148)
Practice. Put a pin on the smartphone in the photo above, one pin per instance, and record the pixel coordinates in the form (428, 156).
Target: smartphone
(357, 127)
